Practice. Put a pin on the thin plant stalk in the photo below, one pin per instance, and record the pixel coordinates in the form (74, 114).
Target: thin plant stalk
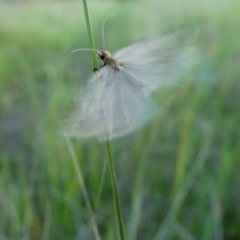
(90, 35)
(108, 146)
(115, 191)
(83, 189)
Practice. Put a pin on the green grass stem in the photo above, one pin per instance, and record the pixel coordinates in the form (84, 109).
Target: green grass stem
(115, 191)
(90, 35)
(84, 190)
(108, 146)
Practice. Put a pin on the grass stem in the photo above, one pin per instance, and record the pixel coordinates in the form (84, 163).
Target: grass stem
(108, 146)
(115, 191)
(83, 189)
(90, 35)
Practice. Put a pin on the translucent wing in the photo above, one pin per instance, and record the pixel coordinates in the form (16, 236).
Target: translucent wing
(117, 100)
(112, 106)
(157, 62)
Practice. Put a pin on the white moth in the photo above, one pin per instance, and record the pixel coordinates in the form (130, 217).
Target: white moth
(117, 98)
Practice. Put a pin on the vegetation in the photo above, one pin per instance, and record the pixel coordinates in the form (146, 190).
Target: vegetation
(178, 176)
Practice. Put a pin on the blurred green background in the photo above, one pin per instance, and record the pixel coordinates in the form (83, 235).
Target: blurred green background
(178, 176)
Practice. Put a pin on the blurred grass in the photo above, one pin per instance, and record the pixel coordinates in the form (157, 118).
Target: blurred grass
(178, 176)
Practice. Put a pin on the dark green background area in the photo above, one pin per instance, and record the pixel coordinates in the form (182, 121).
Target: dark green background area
(178, 176)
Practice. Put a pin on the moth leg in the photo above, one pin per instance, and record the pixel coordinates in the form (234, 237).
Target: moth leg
(102, 65)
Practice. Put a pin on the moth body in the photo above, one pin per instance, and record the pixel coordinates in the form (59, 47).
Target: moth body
(107, 59)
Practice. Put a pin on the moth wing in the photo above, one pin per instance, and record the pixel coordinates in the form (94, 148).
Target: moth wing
(157, 62)
(129, 107)
(112, 106)
(84, 119)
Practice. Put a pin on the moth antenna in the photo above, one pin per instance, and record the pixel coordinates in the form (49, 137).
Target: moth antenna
(84, 50)
(103, 29)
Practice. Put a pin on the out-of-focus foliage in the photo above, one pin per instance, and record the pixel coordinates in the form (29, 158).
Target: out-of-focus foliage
(178, 176)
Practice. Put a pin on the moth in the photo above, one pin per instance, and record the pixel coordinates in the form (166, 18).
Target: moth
(117, 99)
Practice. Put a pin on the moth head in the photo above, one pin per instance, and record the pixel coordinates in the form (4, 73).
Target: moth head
(103, 55)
